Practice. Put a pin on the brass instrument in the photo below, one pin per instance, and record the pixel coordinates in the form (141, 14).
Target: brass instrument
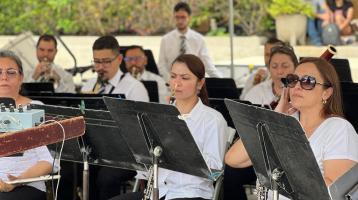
(51, 77)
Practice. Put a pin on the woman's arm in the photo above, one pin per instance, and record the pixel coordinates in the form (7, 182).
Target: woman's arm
(348, 19)
(333, 169)
(39, 169)
(237, 156)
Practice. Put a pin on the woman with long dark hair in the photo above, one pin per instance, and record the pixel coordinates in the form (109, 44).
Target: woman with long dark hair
(314, 96)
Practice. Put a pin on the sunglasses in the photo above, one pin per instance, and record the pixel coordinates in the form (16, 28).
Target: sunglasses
(306, 82)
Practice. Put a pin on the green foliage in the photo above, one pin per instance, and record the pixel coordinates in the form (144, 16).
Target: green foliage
(288, 7)
(251, 15)
(141, 17)
(218, 32)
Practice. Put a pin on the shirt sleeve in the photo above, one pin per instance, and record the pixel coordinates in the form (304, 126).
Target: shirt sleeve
(210, 68)
(66, 83)
(163, 64)
(138, 93)
(341, 143)
(215, 142)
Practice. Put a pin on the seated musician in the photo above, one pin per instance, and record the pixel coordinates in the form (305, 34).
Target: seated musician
(30, 163)
(315, 97)
(207, 126)
(282, 61)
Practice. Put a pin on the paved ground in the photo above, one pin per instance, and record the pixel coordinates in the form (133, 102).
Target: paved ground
(247, 50)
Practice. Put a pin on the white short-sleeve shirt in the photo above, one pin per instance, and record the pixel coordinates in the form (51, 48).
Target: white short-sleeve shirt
(209, 129)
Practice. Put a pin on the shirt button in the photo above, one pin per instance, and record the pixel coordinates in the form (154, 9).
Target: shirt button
(165, 182)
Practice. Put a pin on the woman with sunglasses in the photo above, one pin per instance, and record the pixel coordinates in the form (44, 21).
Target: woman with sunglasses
(207, 126)
(30, 163)
(282, 61)
(314, 96)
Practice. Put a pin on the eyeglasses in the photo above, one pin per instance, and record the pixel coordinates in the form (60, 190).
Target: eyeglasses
(106, 61)
(134, 58)
(306, 82)
(11, 72)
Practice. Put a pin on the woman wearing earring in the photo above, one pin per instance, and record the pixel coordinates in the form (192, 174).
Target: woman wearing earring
(30, 163)
(282, 61)
(207, 126)
(315, 97)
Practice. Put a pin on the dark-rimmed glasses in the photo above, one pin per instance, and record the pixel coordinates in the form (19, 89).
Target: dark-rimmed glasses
(10, 72)
(307, 82)
(106, 61)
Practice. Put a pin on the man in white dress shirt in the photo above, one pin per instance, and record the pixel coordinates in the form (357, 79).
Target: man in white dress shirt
(46, 70)
(183, 40)
(110, 79)
(136, 62)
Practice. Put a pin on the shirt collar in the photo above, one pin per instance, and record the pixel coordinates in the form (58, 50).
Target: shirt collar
(178, 33)
(195, 112)
(115, 80)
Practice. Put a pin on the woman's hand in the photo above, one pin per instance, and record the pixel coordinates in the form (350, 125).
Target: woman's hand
(4, 187)
(284, 106)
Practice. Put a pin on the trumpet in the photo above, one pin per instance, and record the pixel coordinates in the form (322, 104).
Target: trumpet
(329, 53)
(50, 76)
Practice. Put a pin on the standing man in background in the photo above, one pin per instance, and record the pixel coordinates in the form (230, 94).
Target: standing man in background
(46, 70)
(183, 40)
(136, 62)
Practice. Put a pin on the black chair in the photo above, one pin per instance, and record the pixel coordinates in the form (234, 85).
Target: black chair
(151, 65)
(343, 69)
(350, 105)
(152, 89)
(222, 88)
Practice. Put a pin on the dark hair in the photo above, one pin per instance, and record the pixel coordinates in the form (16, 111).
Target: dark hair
(274, 41)
(329, 75)
(107, 42)
(284, 49)
(11, 55)
(182, 6)
(134, 47)
(47, 38)
(196, 66)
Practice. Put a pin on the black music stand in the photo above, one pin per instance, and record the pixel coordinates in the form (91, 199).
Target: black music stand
(101, 145)
(149, 127)
(346, 186)
(35, 87)
(91, 101)
(280, 152)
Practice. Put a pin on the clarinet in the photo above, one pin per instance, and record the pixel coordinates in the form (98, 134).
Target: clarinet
(149, 189)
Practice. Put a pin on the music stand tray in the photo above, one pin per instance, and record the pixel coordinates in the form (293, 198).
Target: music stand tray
(276, 143)
(342, 187)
